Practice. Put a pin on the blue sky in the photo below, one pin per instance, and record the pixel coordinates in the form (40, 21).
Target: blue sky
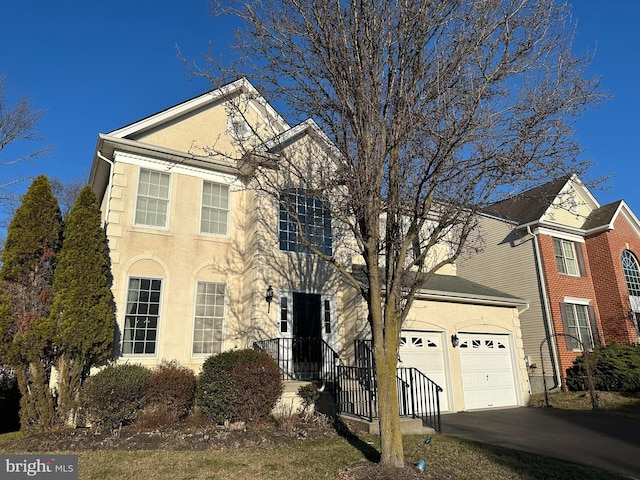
(96, 65)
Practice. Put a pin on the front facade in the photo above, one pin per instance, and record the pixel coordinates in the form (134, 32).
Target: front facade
(203, 261)
(573, 260)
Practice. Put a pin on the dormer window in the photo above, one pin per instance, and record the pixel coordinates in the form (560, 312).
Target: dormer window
(238, 128)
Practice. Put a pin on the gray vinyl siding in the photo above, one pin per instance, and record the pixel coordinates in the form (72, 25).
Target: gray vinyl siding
(507, 263)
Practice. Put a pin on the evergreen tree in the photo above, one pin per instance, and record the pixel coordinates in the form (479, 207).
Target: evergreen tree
(83, 307)
(26, 276)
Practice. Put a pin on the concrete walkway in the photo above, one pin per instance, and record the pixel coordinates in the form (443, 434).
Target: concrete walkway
(605, 441)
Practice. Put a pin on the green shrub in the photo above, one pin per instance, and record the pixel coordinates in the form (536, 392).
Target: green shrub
(239, 385)
(172, 388)
(115, 395)
(616, 368)
(309, 395)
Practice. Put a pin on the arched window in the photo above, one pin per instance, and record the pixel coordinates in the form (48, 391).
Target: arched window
(631, 273)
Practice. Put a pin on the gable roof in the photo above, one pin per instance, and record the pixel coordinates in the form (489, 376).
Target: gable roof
(531, 205)
(602, 216)
(241, 85)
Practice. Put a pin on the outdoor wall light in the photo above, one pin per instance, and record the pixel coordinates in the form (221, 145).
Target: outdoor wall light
(631, 315)
(455, 340)
(269, 298)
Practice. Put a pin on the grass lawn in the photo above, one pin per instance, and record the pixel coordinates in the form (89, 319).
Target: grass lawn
(611, 402)
(446, 458)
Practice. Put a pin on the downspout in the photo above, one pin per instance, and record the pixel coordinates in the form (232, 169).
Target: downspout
(109, 186)
(547, 309)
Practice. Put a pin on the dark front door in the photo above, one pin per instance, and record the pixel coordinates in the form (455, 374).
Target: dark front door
(307, 336)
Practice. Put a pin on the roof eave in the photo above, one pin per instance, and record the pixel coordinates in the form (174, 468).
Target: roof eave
(425, 294)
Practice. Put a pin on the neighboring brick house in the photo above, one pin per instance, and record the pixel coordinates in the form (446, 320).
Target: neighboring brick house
(203, 262)
(573, 260)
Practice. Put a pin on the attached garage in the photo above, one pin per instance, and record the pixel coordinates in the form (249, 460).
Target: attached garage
(425, 351)
(487, 370)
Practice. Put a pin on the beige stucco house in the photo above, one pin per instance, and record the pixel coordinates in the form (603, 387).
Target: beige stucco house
(204, 262)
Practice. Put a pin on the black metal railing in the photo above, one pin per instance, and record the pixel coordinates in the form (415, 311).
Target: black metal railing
(421, 398)
(310, 359)
(418, 395)
(356, 393)
(354, 388)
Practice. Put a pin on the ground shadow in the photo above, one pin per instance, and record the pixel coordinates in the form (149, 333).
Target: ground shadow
(368, 451)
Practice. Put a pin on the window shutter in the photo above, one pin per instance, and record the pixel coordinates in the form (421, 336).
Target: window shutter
(571, 343)
(594, 326)
(581, 266)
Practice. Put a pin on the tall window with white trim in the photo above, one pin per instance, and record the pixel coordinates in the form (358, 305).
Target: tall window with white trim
(208, 327)
(152, 206)
(579, 322)
(214, 217)
(631, 273)
(304, 218)
(142, 315)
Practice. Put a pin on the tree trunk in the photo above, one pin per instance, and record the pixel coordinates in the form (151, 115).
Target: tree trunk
(385, 354)
(69, 384)
(388, 413)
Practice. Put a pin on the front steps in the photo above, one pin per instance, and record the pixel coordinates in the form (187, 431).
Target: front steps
(408, 426)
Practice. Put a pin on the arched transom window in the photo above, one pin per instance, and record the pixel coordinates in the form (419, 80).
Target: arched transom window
(631, 273)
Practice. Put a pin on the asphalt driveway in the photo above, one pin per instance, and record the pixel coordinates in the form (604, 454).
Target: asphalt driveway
(604, 441)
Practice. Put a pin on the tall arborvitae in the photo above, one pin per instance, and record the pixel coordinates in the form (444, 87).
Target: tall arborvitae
(26, 333)
(83, 307)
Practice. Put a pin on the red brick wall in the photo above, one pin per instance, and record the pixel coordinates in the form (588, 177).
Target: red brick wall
(560, 286)
(605, 258)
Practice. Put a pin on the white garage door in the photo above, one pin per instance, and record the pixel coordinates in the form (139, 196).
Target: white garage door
(424, 351)
(487, 371)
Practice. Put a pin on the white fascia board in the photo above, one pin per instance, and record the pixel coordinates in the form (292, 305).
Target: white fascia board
(624, 209)
(572, 235)
(584, 191)
(156, 164)
(308, 126)
(469, 299)
(108, 146)
(170, 113)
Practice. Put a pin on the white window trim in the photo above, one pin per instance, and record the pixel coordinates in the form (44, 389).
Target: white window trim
(169, 201)
(223, 342)
(565, 259)
(208, 234)
(577, 301)
(158, 326)
(583, 302)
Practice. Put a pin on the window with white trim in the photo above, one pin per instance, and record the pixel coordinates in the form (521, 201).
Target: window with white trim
(152, 205)
(631, 273)
(579, 322)
(142, 316)
(568, 257)
(208, 326)
(304, 215)
(214, 215)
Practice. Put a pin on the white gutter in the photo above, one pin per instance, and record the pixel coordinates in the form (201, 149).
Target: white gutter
(109, 186)
(547, 309)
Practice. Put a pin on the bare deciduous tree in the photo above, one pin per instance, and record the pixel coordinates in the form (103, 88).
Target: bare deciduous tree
(435, 108)
(18, 123)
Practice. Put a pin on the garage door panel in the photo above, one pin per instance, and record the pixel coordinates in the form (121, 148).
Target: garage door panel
(424, 351)
(487, 371)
